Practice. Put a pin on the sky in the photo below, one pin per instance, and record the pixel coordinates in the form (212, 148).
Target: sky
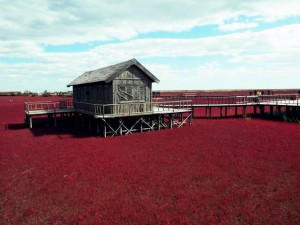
(186, 44)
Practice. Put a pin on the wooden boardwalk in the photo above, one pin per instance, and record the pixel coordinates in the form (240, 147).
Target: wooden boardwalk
(49, 108)
(116, 118)
(259, 103)
(128, 117)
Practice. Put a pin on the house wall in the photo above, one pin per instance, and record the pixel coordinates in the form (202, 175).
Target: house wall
(132, 86)
(98, 93)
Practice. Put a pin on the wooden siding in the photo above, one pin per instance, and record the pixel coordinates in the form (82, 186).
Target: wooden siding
(132, 86)
(100, 93)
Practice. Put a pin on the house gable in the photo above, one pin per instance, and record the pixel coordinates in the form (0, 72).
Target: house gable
(133, 85)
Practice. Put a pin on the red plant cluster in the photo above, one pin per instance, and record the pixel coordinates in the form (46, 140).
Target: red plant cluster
(232, 171)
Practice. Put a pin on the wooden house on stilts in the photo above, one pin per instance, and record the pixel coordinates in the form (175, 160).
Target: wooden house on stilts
(118, 100)
(126, 82)
(115, 100)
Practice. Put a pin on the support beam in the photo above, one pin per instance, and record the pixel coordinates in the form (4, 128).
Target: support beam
(159, 122)
(141, 125)
(262, 110)
(30, 122)
(97, 128)
(82, 121)
(89, 122)
(191, 119)
(193, 111)
(279, 109)
(104, 130)
(171, 120)
(244, 110)
(76, 119)
(120, 127)
(271, 110)
(54, 118)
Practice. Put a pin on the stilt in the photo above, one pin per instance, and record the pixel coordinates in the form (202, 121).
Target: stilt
(191, 119)
(236, 111)
(82, 121)
(288, 111)
(76, 120)
(141, 125)
(279, 109)
(244, 110)
(262, 110)
(294, 112)
(54, 118)
(171, 120)
(271, 110)
(121, 130)
(30, 122)
(97, 128)
(193, 111)
(210, 108)
(158, 122)
(104, 130)
(89, 121)
(221, 115)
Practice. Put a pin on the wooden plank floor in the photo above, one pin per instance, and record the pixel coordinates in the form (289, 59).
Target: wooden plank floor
(50, 111)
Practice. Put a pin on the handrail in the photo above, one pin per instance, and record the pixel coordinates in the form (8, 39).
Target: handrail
(245, 100)
(48, 105)
(131, 108)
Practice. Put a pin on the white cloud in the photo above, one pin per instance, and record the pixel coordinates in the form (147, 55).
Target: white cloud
(27, 26)
(22, 49)
(273, 52)
(65, 22)
(276, 41)
(237, 26)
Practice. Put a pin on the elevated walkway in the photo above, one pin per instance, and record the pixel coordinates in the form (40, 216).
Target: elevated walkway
(115, 118)
(48, 108)
(291, 102)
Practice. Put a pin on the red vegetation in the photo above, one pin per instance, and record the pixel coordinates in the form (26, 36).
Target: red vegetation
(220, 171)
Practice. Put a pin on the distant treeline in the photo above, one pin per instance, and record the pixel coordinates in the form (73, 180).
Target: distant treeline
(29, 93)
(10, 93)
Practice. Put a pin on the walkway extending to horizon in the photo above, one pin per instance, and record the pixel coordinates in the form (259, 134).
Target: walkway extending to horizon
(167, 105)
(274, 103)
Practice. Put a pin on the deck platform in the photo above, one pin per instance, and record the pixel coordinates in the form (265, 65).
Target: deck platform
(116, 119)
(119, 119)
(47, 108)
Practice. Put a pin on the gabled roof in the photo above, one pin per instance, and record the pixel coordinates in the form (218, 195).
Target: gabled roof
(107, 74)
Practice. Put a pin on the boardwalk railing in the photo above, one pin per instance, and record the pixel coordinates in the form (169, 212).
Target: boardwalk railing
(48, 105)
(133, 108)
(284, 99)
